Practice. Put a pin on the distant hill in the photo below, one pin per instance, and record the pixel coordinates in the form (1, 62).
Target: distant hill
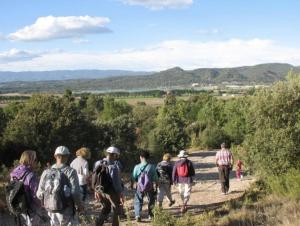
(171, 78)
(31, 76)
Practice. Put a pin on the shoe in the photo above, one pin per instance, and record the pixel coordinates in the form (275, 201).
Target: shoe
(150, 217)
(138, 219)
(171, 203)
(183, 209)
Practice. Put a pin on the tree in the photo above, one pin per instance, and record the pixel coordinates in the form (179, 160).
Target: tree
(46, 122)
(274, 128)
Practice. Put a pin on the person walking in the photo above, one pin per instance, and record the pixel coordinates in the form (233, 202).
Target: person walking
(164, 171)
(224, 162)
(145, 176)
(25, 172)
(81, 165)
(238, 171)
(183, 172)
(59, 190)
(107, 183)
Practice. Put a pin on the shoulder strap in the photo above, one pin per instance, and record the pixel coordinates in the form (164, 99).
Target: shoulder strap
(142, 170)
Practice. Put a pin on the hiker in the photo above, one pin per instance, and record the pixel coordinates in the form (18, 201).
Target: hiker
(25, 172)
(183, 172)
(145, 176)
(59, 190)
(164, 171)
(81, 165)
(107, 183)
(224, 162)
(238, 171)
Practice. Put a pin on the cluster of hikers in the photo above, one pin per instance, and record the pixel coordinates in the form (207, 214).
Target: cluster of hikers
(62, 190)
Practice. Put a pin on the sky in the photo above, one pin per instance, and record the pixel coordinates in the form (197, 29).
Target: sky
(147, 35)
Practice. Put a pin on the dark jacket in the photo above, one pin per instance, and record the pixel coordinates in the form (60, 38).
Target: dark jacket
(191, 172)
(169, 169)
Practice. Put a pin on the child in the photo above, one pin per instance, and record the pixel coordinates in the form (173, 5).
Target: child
(238, 172)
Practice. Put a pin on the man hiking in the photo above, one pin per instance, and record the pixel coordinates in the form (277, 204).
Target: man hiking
(164, 171)
(144, 174)
(107, 183)
(59, 190)
(183, 172)
(224, 162)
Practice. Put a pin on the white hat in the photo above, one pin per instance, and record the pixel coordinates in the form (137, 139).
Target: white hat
(62, 150)
(182, 154)
(113, 150)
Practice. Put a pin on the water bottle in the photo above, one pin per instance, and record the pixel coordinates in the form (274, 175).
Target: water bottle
(67, 191)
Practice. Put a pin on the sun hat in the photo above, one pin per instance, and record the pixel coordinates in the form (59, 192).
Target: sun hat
(183, 154)
(62, 150)
(113, 150)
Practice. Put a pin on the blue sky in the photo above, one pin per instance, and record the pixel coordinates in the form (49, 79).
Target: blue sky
(146, 34)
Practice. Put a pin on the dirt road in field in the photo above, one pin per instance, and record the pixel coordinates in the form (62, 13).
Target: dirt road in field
(206, 193)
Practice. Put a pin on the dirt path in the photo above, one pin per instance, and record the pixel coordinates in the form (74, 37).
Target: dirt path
(206, 193)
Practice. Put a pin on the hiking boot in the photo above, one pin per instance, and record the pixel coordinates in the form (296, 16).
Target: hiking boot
(171, 203)
(138, 219)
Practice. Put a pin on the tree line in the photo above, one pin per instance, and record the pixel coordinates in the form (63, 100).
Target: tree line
(263, 129)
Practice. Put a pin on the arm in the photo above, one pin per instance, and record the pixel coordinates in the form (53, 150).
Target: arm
(174, 175)
(192, 169)
(75, 189)
(41, 188)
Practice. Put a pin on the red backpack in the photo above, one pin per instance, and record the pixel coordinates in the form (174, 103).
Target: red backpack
(183, 169)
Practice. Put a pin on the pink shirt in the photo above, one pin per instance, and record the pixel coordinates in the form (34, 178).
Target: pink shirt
(224, 157)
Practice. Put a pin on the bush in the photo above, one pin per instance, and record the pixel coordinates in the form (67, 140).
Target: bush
(286, 185)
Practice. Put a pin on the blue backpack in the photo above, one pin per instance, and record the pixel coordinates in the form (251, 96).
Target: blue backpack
(144, 183)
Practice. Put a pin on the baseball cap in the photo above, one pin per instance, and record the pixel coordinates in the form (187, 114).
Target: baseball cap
(62, 150)
(113, 150)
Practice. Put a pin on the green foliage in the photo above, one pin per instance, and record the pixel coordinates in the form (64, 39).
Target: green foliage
(46, 122)
(113, 109)
(286, 185)
(212, 137)
(274, 128)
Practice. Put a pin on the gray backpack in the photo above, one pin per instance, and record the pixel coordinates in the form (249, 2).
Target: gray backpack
(56, 190)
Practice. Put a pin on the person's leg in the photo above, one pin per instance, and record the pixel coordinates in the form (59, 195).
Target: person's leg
(187, 194)
(106, 208)
(181, 191)
(222, 178)
(151, 202)
(138, 203)
(160, 194)
(116, 209)
(226, 175)
(168, 192)
(83, 189)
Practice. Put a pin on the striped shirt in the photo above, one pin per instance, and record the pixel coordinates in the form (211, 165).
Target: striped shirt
(224, 157)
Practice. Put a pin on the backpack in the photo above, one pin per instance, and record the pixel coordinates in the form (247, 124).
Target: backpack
(56, 190)
(183, 169)
(163, 174)
(16, 198)
(101, 179)
(144, 183)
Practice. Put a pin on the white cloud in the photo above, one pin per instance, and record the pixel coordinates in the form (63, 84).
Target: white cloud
(81, 41)
(14, 55)
(50, 27)
(159, 4)
(164, 55)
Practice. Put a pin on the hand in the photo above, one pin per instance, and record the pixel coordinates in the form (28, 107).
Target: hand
(98, 196)
(122, 199)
